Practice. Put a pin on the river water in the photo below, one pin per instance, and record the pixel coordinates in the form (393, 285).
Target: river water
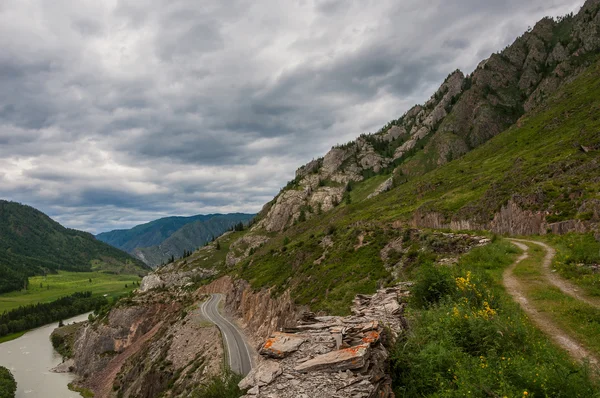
(30, 358)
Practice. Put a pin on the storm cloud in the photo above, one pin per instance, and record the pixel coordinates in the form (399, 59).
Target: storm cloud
(118, 112)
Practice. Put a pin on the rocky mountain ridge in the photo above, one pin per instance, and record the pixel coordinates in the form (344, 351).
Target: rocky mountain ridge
(465, 112)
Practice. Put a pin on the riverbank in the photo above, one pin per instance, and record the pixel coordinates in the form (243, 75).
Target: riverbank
(30, 358)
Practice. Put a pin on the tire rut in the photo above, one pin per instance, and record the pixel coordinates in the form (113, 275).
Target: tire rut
(565, 286)
(541, 321)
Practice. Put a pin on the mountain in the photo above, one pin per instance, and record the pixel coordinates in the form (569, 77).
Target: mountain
(155, 242)
(32, 243)
(511, 149)
(148, 234)
(464, 113)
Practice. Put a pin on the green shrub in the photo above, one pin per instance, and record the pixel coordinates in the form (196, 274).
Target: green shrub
(8, 385)
(222, 386)
(431, 285)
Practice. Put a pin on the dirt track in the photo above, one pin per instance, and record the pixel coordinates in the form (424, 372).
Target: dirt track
(543, 322)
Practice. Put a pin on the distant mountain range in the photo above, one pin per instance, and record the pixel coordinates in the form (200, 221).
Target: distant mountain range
(31, 243)
(157, 241)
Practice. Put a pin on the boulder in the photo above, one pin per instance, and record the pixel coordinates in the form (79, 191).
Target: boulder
(280, 345)
(347, 358)
(261, 376)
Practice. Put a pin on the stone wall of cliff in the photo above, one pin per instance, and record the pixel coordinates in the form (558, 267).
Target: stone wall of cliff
(259, 312)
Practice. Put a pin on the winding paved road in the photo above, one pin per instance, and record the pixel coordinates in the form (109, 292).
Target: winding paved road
(238, 351)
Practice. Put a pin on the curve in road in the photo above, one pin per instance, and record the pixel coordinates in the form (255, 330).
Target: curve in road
(240, 359)
(543, 322)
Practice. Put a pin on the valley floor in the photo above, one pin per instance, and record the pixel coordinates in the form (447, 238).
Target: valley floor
(44, 289)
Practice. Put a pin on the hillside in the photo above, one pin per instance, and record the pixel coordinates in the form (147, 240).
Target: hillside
(464, 113)
(148, 234)
(540, 175)
(190, 237)
(511, 149)
(340, 233)
(31, 243)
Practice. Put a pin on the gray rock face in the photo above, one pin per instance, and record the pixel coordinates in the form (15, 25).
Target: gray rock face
(511, 219)
(332, 356)
(241, 248)
(287, 205)
(384, 187)
(173, 279)
(280, 345)
(261, 376)
(334, 361)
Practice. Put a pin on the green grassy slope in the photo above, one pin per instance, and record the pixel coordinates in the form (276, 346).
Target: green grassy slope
(539, 159)
(31, 243)
(539, 162)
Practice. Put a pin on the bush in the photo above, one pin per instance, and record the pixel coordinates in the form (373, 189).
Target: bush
(8, 385)
(222, 386)
(431, 285)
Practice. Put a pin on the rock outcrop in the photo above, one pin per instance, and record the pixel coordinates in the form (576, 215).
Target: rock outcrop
(510, 220)
(384, 187)
(258, 312)
(167, 278)
(332, 356)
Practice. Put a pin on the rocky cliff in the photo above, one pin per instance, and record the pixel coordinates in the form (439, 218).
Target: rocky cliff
(152, 344)
(510, 220)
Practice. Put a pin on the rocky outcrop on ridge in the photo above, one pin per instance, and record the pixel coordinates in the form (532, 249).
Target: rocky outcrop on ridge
(243, 247)
(174, 279)
(512, 219)
(332, 356)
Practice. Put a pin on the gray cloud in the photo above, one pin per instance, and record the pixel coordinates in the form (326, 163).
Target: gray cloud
(112, 115)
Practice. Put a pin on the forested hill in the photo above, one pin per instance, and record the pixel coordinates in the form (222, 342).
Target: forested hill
(148, 234)
(190, 237)
(155, 232)
(32, 243)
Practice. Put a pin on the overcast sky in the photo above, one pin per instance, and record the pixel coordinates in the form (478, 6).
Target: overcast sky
(114, 113)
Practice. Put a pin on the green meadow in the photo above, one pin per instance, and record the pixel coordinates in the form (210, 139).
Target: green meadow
(43, 289)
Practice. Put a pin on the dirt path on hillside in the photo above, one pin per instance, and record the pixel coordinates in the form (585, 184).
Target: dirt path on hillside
(515, 289)
(103, 381)
(565, 286)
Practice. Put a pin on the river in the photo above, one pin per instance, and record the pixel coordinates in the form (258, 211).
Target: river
(30, 358)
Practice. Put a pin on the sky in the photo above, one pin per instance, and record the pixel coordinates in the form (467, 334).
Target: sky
(118, 112)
